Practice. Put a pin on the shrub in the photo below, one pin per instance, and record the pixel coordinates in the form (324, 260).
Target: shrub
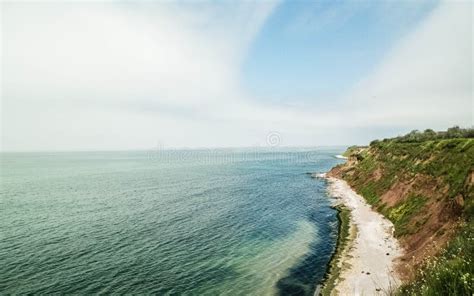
(452, 273)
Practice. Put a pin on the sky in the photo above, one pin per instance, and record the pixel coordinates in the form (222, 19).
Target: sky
(137, 74)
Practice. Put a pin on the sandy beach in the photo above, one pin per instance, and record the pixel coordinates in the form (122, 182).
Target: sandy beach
(367, 265)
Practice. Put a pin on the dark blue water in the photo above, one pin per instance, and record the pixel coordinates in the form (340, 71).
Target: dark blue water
(220, 222)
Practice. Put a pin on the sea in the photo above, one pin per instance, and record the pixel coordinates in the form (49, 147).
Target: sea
(166, 222)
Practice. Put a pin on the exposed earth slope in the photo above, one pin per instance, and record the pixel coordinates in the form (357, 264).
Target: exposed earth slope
(425, 188)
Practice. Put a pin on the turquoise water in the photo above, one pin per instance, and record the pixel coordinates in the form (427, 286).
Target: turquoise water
(221, 222)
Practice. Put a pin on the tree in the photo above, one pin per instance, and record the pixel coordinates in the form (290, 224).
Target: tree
(454, 132)
(429, 134)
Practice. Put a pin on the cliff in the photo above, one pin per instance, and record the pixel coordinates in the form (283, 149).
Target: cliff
(426, 188)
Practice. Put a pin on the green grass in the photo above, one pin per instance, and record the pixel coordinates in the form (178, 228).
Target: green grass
(369, 192)
(350, 150)
(442, 166)
(450, 160)
(446, 162)
(452, 273)
(401, 214)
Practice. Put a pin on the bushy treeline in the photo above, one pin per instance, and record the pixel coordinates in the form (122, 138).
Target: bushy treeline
(430, 135)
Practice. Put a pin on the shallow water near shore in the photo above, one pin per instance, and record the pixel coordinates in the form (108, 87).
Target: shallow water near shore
(188, 222)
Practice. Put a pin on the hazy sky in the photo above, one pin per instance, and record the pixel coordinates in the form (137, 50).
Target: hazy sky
(131, 75)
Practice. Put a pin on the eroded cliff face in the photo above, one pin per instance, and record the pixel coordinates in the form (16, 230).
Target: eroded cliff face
(426, 189)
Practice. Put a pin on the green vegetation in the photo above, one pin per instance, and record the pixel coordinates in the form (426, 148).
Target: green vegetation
(334, 269)
(451, 160)
(368, 191)
(401, 214)
(416, 136)
(351, 150)
(407, 179)
(452, 273)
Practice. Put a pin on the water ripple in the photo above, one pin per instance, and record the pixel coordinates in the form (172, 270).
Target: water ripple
(119, 222)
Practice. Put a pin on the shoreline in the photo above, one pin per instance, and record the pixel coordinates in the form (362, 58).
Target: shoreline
(345, 235)
(363, 262)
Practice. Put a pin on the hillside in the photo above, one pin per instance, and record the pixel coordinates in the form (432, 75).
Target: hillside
(425, 186)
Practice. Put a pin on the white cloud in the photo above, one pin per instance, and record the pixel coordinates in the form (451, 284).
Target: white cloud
(427, 79)
(75, 70)
(123, 76)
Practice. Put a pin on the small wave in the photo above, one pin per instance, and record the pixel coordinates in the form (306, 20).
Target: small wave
(340, 156)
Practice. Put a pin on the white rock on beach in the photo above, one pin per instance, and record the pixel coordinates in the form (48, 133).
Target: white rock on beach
(369, 263)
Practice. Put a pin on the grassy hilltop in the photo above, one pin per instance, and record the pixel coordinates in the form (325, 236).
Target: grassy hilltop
(424, 183)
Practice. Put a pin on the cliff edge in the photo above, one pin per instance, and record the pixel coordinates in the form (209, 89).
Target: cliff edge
(426, 188)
